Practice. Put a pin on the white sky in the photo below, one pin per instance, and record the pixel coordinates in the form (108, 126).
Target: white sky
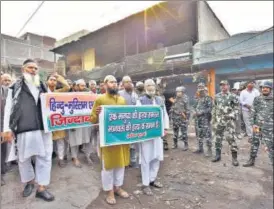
(61, 18)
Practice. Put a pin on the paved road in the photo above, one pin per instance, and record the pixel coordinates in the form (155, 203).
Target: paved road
(72, 187)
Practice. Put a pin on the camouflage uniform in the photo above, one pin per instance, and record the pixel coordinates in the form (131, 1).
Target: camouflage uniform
(195, 117)
(181, 105)
(225, 109)
(203, 113)
(262, 116)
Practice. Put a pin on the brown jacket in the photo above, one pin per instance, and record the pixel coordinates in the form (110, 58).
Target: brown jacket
(61, 134)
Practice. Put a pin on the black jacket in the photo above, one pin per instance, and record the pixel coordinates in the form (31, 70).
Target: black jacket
(27, 115)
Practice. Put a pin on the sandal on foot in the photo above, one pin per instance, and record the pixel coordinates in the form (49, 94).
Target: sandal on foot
(122, 193)
(147, 191)
(77, 163)
(156, 184)
(110, 199)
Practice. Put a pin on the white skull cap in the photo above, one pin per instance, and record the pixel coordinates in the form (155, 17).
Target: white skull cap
(109, 78)
(149, 82)
(92, 82)
(126, 78)
(139, 83)
(80, 81)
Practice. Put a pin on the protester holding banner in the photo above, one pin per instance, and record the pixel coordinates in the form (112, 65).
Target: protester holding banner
(23, 119)
(59, 136)
(131, 98)
(151, 152)
(114, 159)
(80, 136)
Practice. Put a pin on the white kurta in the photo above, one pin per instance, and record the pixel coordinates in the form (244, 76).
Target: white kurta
(31, 143)
(151, 153)
(153, 149)
(79, 136)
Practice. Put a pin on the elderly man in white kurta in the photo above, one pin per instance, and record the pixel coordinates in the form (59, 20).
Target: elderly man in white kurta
(80, 136)
(23, 120)
(151, 152)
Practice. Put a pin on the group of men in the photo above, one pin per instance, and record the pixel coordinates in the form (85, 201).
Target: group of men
(214, 118)
(22, 122)
(219, 118)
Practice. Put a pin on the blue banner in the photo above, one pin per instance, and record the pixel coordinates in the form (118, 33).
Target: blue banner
(130, 124)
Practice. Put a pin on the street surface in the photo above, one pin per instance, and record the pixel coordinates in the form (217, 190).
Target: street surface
(190, 182)
(193, 182)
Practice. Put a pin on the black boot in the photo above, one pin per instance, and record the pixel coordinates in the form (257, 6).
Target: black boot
(200, 150)
(217, 157)
(166, 146)
(250, 162)
(234, 159)
(175, 145)
(185, 147)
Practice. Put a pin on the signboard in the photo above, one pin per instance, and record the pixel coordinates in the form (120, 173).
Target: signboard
(130, 124)
(66, 110)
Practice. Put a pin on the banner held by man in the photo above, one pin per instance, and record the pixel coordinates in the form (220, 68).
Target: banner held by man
(130, 124)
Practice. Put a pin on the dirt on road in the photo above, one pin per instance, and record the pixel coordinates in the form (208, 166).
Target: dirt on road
(192, 181)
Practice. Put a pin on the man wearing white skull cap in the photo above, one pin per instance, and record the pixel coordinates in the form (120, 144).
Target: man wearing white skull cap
(114, 159)
(151, 152)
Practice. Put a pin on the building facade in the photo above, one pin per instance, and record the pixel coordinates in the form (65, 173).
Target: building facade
(155, 42)
(14, 51)
(238, 58)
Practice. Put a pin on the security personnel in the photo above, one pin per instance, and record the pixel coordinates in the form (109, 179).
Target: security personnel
(179, 115)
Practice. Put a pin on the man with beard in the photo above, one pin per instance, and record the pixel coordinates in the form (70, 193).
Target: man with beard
(261, 120)
(59, 136)
(246, 99)
(152, 152)
(4, 93)
(179, 114)
(23, 120)
(5, 83)
(131, 98)
(92, 86)
(114, 159)
(80, 136)
(6, 80)
(140, 89)
(225, 110)
(203, 114)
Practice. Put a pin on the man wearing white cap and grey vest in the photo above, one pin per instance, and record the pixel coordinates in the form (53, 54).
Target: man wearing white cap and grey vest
(152, 152)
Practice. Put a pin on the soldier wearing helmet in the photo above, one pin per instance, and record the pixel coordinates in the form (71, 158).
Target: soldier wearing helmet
(203, 114)
(225, 111)
(179, 114)
(261, 120)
